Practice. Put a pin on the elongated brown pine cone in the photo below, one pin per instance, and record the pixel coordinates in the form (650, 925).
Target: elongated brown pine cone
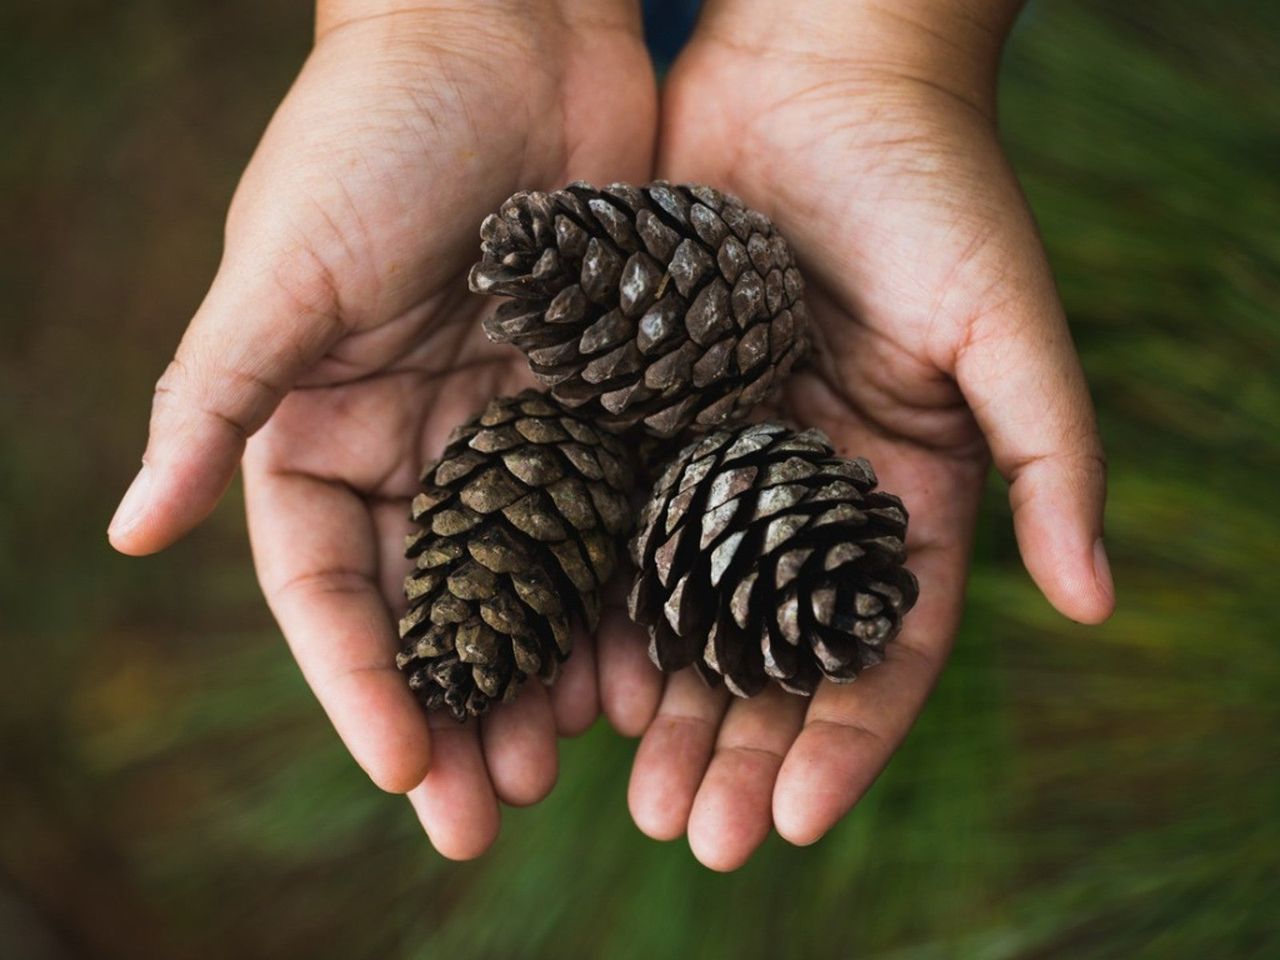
(763, 555)
(663, 305)
(519, 523)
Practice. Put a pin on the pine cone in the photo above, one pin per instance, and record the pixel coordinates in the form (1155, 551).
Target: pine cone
(519, 521)
(664, 305)
(761, 554)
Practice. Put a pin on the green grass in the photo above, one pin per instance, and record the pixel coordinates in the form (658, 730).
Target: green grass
(170, 788)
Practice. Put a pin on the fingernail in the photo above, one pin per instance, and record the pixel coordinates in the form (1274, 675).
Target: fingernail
(1102, 570)
(134, 505)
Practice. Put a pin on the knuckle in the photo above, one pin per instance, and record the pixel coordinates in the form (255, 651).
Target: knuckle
(310, 585)
(169, 381)
(307, 283)
(180, 391)
(850, 728)
(169, 385)
(1087, 459)
(300, 268)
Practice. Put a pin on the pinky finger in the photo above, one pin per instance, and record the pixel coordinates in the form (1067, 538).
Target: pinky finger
(850, 732)
(575, 702)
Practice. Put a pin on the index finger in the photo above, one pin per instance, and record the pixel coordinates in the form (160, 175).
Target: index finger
(316, 554)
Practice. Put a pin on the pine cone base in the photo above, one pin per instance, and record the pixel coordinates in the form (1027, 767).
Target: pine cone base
(762, 555)
(662, 306)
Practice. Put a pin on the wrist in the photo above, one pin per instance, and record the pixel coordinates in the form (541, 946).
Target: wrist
(331, 14)
(951, 44)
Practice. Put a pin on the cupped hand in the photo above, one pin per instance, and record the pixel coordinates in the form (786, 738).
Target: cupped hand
(940, 343)
(338, 346)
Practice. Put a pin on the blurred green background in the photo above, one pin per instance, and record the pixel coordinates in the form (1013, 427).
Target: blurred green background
(168, 787)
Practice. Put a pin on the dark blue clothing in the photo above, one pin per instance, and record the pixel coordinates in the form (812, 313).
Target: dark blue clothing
(667, 25)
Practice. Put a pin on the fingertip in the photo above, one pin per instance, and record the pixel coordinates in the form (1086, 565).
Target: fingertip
(1106, 586)
(167, 501)
(455, 802)
(1076, 590)
(461, 852)
(733, 810)
(452, 844)
(650, 819)
(712, 854)
(402, 774)
(530, 790)
(1094, 613)
(793, 820)
(130, 545)
(573, 720)
(799, 836)
(384, 729)
(729, 819)
(130, 515)
(673, 757)
(631, 714)
(1062, 551)
(822, 778)
(630, 686)
(149, 537)
(151, 518)
(519, 742)
(575, 699)
(659, 796)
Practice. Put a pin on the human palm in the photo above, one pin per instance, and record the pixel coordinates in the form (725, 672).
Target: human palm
(339, 339)
(937, 337)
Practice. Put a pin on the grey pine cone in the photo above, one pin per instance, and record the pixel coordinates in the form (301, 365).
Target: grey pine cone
(761, 554)
(666, 306)
(518, 528)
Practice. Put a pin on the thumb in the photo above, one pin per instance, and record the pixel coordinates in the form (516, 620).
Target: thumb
(1020, 374)
(264, 321)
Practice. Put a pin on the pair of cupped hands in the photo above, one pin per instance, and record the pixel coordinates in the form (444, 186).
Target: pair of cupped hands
(338, 346)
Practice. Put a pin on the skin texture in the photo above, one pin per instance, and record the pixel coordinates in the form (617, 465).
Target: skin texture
(339, 341)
